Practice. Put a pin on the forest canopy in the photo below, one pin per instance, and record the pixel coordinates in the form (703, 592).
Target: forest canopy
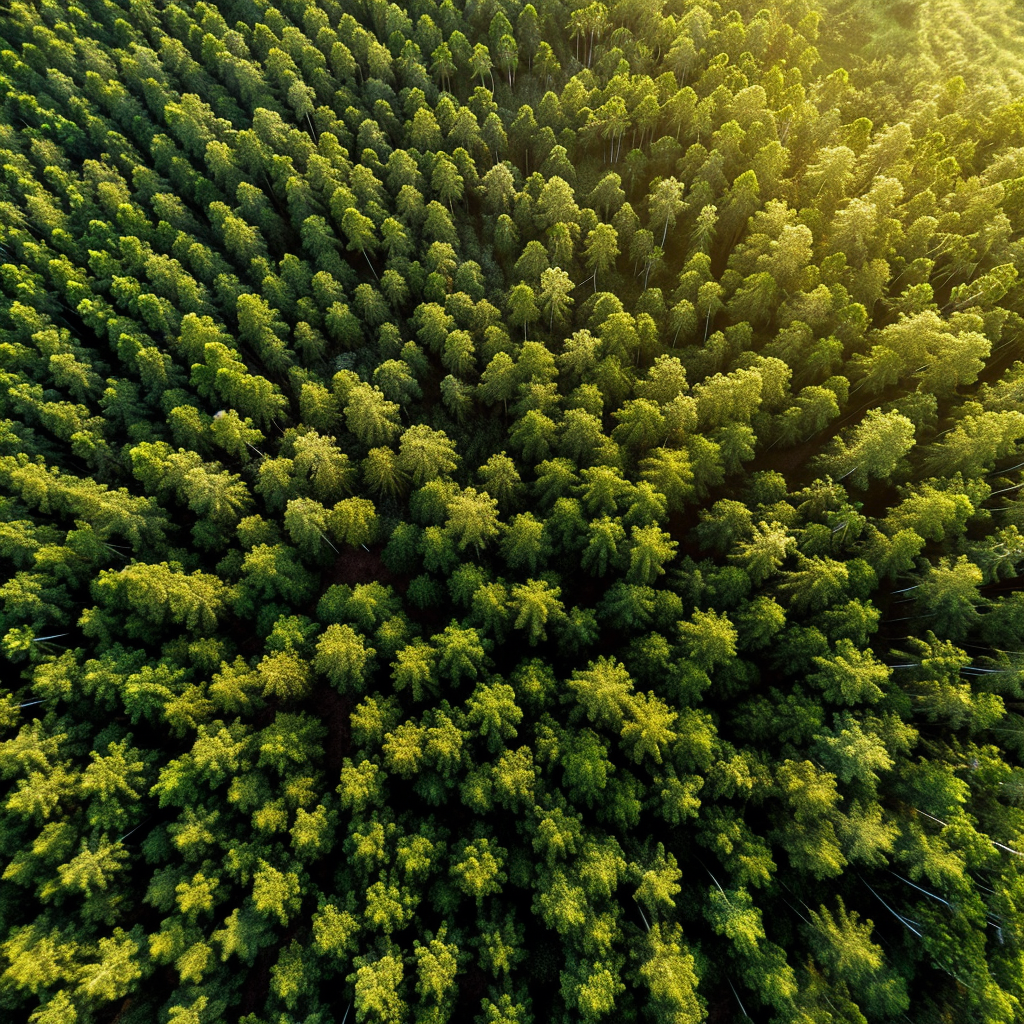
(511, 512)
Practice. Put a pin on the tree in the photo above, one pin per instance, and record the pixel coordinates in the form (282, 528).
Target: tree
(524, 545)
(327, 469)
(601, 250)
(395, 239)
(499, 380)
(664, 382)
(667, 969)
(490, 608)
(306, 523)
(472, 519)
(555, 295)
(650, 549)
(605, 490)
(561, 243)
(457, 396)
(606, 546)
(370, 416)
(343, 657)
(343, 326)
(492, 712)
(382, 473)
(604, 691)
(532, 263)
(480, 63)
(437, 964)
(546, 62)
(703, 234)
(395, 379)
(850, 676)
(709, 639)
(507, 53)
(446, 180)
(957, 361)
(114, 974)
(764, 553)
(275, 893)
(641, 424)
(931, 512)
(528, 32)
(377, 984)
(809, 836)
(353, 521)
(478, 868)
(875, 448)
(425, 454)
(557, 203)
(535, 604)
(670, 472)
(649, 735)
(152, 595)
(501, 480)
(975, 443)
(443, 64)
(818, 583)
(733, 913)
(664, 204)
(948, 596)
(846, 951)
(360, 233)
(522, 307)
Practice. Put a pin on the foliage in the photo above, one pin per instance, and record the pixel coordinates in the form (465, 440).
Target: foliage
(510, 512)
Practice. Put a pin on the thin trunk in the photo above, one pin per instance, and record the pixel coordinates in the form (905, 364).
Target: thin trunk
(642, 914)
(326, 541)
(369, 264)
(737, 995)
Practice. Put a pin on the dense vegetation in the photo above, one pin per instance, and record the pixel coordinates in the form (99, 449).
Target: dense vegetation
(511, 513)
